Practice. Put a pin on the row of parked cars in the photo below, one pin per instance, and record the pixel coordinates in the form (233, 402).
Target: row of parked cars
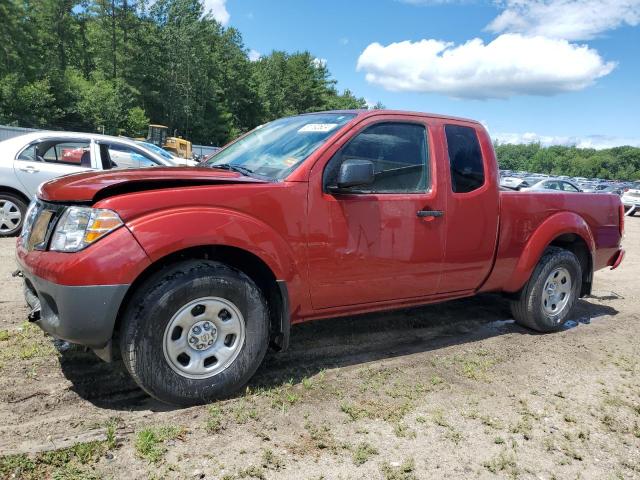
(628, 191)
(28, 160)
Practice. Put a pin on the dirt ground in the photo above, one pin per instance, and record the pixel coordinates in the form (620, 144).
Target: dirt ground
(449, 391)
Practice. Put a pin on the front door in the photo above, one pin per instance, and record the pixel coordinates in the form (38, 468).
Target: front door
(371, 244)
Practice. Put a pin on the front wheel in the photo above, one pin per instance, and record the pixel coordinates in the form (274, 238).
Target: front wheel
(12, 211)
(547, 299)
(195, 332)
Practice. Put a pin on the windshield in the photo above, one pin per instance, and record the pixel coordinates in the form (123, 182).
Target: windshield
(156, 149)
(275, 149)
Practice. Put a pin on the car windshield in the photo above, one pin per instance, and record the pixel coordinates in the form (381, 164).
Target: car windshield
(275, 149)
(156, 149)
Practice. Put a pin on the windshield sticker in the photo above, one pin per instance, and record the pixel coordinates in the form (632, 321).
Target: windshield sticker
(318, 127)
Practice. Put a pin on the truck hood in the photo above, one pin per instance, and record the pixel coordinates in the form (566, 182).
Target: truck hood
(94, 186)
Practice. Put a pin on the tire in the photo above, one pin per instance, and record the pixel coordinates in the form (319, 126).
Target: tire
(12, 213)
(538, 310)
(155, 328)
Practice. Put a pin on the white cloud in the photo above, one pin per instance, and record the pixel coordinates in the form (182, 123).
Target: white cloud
(590, 141)
(568, 19)
(254, 55)
(218, 9)
(512, 64)
(320, 62)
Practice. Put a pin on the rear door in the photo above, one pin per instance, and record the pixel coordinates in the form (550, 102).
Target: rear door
(47, 159)
(472, 206)
(371, 244)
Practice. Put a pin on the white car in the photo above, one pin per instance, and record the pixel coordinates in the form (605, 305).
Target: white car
(172, 158)
(553, 184)
(29, 160)
(631, 200)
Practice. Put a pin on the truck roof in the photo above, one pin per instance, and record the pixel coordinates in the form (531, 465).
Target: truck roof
(370, 113)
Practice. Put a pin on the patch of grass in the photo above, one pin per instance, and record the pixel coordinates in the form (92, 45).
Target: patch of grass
(150, 442)
(498, 441)
(243, 411)
(491, 422)
(436, 380)
(271, 460)
(503, 462)
(363, 452)
(390, 412)
(63, 464)
(26, 343)
(214, 419)
(402, 430)
(405, 471)
(476, 366)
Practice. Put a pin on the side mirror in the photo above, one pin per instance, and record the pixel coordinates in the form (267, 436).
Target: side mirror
(353, 173)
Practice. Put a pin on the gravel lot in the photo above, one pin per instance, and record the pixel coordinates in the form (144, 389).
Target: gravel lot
(449, 391)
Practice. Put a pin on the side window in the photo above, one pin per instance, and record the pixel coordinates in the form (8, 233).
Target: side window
(465, 158)
(399, 155)
(551, 186)
(75, 153)
(122, 156)
(29, 154)
(567, 187)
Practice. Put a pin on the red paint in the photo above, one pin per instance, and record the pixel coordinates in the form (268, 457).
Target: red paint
(339, 254)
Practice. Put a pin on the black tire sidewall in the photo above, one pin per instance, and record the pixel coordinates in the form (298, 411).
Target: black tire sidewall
(22, 206)
(542, 320)
(146, 321)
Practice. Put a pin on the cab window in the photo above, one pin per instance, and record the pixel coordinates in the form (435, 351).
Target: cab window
(399, 155)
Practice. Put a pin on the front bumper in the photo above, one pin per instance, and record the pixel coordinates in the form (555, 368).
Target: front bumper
(85, 314)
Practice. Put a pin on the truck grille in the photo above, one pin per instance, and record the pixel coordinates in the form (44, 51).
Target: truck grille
(39, 224)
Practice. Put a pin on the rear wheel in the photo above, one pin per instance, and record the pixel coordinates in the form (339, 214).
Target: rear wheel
(12, 211)
(195, 332)
(547, 299)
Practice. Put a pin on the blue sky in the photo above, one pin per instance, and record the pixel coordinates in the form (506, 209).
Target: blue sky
(565, 71)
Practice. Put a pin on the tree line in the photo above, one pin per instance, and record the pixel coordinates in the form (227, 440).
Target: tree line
(117, 65)
(618, 163)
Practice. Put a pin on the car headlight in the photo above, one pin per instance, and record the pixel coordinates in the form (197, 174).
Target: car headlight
(79, 227)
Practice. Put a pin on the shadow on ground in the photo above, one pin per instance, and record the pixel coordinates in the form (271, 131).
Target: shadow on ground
(333, 343)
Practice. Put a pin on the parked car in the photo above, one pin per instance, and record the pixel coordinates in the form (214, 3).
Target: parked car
(511, 182)
(167, 155)
(608, 188)
(194, 272)
(28, 160)
(631, 199)
(554, 184)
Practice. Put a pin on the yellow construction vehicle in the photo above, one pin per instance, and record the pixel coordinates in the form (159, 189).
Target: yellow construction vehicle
(176, 145)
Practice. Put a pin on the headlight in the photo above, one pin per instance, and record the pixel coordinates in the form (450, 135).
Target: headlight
(79, 227)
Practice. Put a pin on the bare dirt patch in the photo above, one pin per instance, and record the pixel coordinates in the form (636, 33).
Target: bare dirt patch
(449, 391)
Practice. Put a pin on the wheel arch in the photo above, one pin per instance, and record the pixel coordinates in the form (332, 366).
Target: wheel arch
(274, 290)
(16, 192)
(565, 230)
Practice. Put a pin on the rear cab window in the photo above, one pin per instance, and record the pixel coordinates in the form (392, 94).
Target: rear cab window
(465, 158)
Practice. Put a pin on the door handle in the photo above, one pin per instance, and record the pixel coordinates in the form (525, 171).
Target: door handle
(29, 169)
(430, 213)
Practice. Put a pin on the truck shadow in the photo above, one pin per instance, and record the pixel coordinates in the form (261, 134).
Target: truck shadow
(333, 343)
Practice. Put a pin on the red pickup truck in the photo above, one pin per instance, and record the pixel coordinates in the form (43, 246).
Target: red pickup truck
(194, 272)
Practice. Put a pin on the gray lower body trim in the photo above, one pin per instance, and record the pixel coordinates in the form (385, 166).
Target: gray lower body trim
(85, 315)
